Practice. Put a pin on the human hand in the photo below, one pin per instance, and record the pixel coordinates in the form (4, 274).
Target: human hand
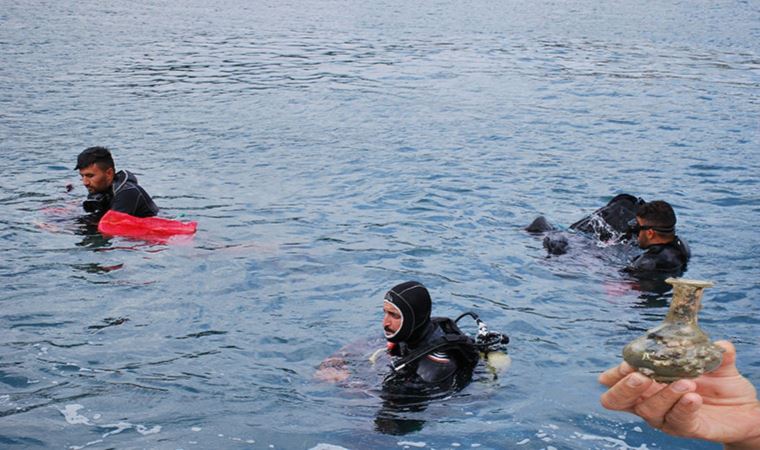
(332, 370)
(720, 406)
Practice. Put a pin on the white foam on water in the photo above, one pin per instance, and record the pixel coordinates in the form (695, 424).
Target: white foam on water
(142, 429)
(119, 427)
(411, 444)
(196, 429)
(523, 442)
(79, 447)
(616, 443)
(327, 447)
(72, 417)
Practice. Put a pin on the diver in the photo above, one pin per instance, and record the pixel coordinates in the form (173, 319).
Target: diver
(655, 229)
(426, 353)
(109, 189)
(608, 224)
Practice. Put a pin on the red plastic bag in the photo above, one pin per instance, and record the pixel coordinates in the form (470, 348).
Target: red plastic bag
(115, 223)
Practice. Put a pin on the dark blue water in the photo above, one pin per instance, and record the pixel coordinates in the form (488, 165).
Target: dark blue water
(330, 150)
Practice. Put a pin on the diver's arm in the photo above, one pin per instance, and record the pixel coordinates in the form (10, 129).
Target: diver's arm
(436, 368)
(644, 263)
(126, 200)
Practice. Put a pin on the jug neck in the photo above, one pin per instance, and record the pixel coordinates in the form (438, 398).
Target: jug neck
(685, 305)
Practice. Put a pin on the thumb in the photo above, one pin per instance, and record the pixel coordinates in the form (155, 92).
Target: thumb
(727, 366)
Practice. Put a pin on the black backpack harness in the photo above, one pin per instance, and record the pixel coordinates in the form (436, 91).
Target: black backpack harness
(464, 348)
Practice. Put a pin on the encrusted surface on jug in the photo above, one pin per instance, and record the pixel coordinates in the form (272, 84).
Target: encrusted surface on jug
(677, 348)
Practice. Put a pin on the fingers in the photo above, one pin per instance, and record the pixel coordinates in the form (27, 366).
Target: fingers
(682, 418)
(615, 374)
(626, 393)
(656, 408)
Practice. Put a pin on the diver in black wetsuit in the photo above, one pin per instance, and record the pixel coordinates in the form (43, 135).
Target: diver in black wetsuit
(428, 357)
(621, 220)
(427, 352)
(655, 228)
(109, 189)
(609, 223)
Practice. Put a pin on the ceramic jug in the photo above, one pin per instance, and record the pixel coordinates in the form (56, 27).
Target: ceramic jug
(677, 348)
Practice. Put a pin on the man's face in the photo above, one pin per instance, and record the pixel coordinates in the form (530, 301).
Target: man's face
(645, 236)
(96, 179)
(392, 319)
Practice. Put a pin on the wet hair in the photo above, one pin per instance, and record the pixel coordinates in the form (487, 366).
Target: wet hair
(95, 155)
(660, 214)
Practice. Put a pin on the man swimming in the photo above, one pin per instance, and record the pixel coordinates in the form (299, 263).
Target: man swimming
(655, 229)
(111, 190)
(425, 353)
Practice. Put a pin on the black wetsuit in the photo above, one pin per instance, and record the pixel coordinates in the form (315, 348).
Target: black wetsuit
(436, 367)
(439, 369)
(670, 258)
(124, 196)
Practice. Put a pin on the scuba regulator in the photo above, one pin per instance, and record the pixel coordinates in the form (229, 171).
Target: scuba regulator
(486, 341)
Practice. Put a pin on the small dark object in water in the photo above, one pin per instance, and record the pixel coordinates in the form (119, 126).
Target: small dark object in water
(540, 225)
(556, 243)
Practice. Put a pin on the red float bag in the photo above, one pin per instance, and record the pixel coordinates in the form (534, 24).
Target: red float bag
(115, 223)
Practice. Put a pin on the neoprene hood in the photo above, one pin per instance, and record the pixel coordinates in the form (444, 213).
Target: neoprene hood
(413, 301)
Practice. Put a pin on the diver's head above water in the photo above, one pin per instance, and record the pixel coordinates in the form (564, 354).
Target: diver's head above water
(96, 167)
(406, 312)
(655, 223)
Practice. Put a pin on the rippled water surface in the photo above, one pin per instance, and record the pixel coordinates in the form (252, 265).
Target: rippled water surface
(330, 150)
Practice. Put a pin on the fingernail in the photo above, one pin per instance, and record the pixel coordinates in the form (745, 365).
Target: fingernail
(681, 386)
(635, 380)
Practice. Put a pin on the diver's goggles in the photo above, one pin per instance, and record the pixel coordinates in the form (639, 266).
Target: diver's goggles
(634, 228)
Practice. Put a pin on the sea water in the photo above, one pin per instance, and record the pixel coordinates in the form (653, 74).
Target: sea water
(330, 150)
